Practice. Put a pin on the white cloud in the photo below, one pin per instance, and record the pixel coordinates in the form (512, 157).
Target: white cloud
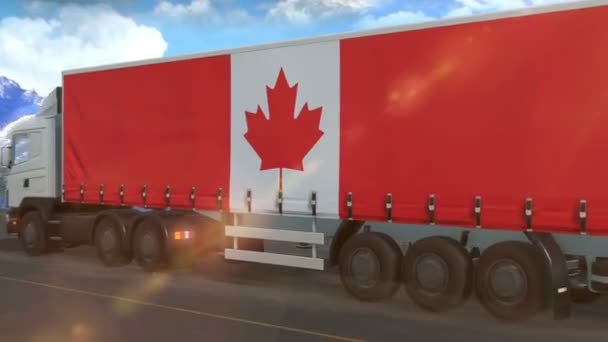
(466, 8)
(34, 50)
(469, 7)
(395, 18)
(303, 11)
(195, 7)
(491, 5)
(296, 11)
(459, 12)
(203, 12)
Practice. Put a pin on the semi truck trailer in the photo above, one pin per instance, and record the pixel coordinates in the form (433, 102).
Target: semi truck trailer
(448, 158)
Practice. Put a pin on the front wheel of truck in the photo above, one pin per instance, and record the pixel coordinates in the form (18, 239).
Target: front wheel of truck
(33, 235)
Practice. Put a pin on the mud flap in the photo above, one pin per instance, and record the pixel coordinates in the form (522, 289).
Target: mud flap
(558, 273)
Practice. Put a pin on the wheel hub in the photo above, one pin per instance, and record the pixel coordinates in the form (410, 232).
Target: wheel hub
(508, 281)
(108, 241)
(149, 246)
(30, 234)
(431, 273)
(365, 267)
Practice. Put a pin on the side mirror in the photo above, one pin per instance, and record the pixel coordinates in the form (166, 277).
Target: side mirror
(5, 157)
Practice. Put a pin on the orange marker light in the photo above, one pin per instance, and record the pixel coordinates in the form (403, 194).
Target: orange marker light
(182, 235)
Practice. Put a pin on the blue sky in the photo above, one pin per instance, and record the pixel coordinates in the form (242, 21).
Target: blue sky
(63, 34)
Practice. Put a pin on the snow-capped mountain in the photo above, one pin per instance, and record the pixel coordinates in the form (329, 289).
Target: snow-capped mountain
(15, 101)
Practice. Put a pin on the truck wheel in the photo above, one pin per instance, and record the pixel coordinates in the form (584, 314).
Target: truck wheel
(108, 244)
(437, 272)
(33, 236)
(511, 280)
(149, 247)
(369, 266)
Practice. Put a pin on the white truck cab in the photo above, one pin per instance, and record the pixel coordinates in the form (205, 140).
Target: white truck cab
(31, 157)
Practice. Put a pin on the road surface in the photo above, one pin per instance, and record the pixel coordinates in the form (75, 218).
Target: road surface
(68, 296)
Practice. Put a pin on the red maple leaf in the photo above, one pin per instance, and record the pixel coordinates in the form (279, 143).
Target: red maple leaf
(282, 140)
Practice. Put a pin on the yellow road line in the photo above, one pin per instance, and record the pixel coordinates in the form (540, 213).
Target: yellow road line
(193, 312)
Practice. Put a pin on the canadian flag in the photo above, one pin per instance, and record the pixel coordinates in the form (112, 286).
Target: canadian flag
(285, 128)
(456, 112)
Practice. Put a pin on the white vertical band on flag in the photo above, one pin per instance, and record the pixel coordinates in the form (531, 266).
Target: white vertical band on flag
(315, 69)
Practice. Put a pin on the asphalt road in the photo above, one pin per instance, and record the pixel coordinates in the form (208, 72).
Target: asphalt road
(68, 296)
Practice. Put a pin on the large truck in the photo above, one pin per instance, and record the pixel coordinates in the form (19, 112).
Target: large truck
(451, 157)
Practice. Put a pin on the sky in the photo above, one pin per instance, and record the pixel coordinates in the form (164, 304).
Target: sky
(39, 39)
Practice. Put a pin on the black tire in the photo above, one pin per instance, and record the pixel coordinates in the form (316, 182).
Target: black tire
(149, 247)
(108, 243)
(33, 235)
(384, 258)
(437, 272)
(511, 280)
(581, 296)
